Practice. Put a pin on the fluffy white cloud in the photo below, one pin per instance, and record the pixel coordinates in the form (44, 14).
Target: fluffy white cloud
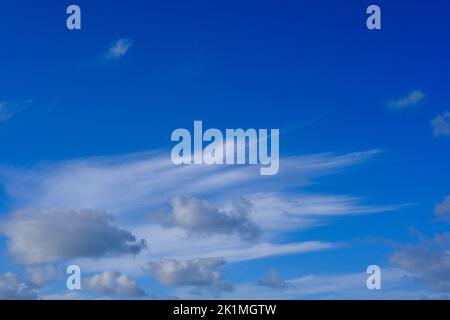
(47, 235)
(199, 272)
(441, 125)
(119, 48)
(112, 283)
(410, 100)
(201, 217)
(12, 288)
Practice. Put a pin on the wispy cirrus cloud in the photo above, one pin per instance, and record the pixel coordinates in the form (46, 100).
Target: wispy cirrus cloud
(9, 109)
(152, 180)
(409, 100)
(176, 244)
(396, 285)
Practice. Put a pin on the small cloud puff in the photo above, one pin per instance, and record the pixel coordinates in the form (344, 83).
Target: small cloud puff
(119, 48)
(410, 100)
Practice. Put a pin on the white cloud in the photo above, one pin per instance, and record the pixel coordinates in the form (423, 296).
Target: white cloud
(47, 235)
(277, 212)
(174, 244)
(441, 125)
(200, 272)
(119, 48)
(12, 288)
(410, 100)
(202, 218)
(112, 283)
(151, 180)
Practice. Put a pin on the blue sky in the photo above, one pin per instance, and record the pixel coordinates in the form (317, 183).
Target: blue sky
(365, 135)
